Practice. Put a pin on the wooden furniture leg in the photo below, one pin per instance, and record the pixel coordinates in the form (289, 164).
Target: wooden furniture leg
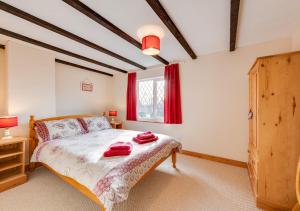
(174, 158)
(31, 167)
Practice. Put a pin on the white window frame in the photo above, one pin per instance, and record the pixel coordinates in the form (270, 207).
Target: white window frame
(155, 118)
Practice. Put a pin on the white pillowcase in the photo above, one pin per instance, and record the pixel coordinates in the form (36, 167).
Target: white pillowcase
(96, 123)
(57, 129)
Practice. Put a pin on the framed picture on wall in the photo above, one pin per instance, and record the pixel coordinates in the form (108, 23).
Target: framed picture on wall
(86, 86)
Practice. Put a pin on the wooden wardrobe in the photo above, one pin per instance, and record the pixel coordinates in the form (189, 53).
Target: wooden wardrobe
(274, 129)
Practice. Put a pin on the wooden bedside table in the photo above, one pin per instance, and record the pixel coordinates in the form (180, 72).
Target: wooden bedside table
(12, 162)
(117, 125)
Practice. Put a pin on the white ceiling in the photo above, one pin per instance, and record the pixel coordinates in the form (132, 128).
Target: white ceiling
(204, 24)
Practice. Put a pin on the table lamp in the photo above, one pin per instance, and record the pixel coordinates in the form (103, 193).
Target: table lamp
(113, 114)
(8, 122)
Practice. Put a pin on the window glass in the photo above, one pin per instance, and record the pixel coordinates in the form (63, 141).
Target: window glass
(150, 99)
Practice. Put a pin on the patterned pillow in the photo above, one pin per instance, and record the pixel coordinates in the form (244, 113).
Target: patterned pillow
(92, 124)
(51, 130)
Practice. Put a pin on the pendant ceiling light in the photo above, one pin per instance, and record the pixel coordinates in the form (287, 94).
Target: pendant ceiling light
(151, 45)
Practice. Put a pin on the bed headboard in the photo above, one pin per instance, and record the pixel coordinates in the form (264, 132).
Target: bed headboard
(33, 141)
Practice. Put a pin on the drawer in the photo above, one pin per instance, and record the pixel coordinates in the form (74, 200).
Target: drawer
(11, 180)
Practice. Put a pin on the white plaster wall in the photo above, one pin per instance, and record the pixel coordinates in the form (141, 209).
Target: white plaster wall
(296, 41)
(2, 83)
(71, 100)
(30, 85)
(214, 90)
(214, 94)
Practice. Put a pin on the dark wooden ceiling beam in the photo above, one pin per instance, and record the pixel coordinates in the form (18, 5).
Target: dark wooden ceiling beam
(234, 16)
(21, 14)
(108, 25)
(2, 46)
(165, 18)
(82, 67)
(53, 48)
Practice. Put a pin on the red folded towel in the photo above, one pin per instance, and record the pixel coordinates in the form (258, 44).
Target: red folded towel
(118, 149)
(144, 141)
(120, 145)
(145, 136)
(145, 133)
(111, 153)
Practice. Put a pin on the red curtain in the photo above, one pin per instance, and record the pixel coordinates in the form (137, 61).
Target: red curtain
(131, 97)
(172, 103)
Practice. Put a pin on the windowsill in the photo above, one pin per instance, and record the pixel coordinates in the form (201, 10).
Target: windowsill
(150, 121)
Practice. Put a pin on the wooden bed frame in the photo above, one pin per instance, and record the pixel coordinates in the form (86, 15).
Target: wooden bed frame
(33, 142)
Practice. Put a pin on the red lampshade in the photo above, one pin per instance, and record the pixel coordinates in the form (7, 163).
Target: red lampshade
(113, 113)
(151, 45)
(8, 121)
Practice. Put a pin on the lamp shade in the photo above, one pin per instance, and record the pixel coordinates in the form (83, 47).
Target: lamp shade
(151, 45)
(8, 121)
(113, 113)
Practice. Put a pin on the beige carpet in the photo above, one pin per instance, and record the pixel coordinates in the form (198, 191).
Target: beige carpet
(196, 185)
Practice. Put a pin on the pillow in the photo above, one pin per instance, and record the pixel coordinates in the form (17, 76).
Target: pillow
(56, 129)
(92, 124)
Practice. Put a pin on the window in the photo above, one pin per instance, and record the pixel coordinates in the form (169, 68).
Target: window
(150, 99)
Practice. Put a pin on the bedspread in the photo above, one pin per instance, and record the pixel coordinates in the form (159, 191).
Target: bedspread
(110, 179)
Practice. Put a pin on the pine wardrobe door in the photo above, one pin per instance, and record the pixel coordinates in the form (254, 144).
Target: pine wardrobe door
(278, 129)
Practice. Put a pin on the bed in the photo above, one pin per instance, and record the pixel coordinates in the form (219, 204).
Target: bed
(79, 161)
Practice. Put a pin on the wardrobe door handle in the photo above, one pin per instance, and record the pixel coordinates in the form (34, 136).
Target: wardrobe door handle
(250, 115)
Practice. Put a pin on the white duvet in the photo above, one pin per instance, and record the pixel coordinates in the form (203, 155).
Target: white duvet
(110, 179)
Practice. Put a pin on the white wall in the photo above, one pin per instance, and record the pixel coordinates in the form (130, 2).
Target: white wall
(214, 90)
(30, 84)
(69, 97)
(2, 82)
(214, 94)
(296, 41)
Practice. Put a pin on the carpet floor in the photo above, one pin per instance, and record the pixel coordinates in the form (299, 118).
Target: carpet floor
(195, 185)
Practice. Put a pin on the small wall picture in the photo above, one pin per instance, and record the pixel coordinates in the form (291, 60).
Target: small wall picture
(86, 86)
